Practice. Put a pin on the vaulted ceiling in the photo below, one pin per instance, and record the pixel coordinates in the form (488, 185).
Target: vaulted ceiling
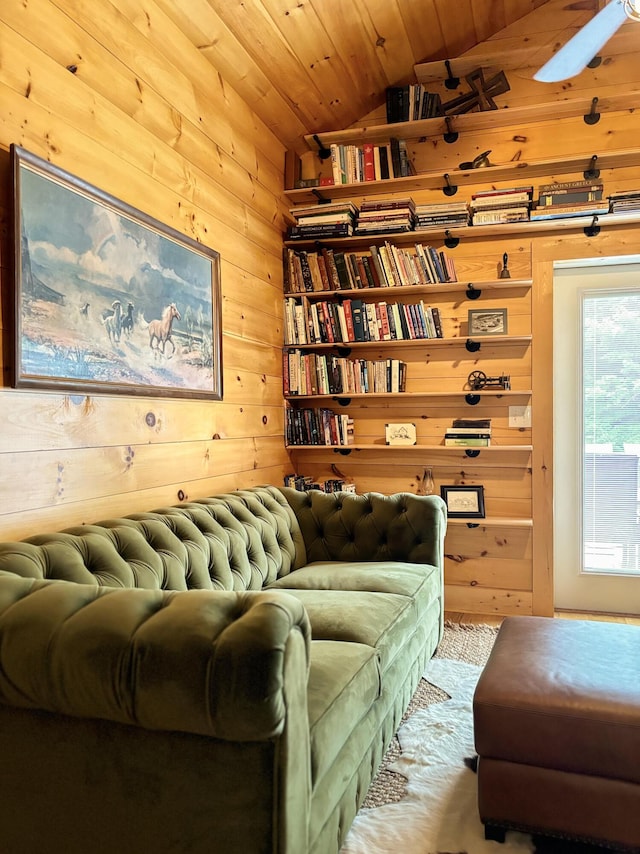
(313, 65)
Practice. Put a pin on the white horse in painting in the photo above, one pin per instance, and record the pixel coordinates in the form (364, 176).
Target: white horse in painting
(160, 331)
(112, 321)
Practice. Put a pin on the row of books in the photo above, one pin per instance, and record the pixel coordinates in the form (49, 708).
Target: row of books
(555, 201)
(468, 433)
(384, 266)
(304, 483)
(488, 207)
(354, 320)
(353, 164)
(412, 102)
(317, 373)
(318, 427)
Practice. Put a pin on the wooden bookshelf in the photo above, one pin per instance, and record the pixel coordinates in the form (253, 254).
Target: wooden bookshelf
(519, 171)
(488, 120)
(459, 341)
(435, 288)
(407, 448)
(408, 395)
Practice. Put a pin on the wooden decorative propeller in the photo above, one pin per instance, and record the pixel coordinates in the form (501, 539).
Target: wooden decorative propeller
(581, 49)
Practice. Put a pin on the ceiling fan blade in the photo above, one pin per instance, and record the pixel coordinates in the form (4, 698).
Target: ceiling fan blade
(581, 48)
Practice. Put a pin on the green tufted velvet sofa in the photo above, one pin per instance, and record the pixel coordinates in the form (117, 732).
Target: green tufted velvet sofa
(219, 677)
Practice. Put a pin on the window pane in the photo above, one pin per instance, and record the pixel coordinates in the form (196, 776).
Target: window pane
(611, 430)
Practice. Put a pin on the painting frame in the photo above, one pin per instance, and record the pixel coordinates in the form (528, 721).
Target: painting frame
(107, 299)
(487, 321)
(463, 502)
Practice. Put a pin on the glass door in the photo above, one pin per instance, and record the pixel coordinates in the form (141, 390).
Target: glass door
(597, 437)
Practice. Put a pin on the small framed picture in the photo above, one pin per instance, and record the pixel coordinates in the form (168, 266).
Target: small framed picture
(464, 502)
(487, 321)
(400, 433)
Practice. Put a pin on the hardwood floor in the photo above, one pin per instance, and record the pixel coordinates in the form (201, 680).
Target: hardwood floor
(496, 619)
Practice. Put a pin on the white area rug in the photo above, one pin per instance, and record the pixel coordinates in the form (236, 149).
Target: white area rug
(438, 813)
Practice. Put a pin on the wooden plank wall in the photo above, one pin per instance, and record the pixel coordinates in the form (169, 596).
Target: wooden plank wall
(145, 118)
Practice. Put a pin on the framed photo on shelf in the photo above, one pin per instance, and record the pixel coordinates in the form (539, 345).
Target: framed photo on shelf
(108, 300)
(400, 434)
(487, 321)
(464, 502)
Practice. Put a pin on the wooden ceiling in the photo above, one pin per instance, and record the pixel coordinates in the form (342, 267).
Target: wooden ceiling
(313, 65)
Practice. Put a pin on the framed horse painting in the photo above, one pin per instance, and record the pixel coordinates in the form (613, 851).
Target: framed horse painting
(107, 299)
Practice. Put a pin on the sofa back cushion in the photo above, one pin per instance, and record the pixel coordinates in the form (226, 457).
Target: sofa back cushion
(236, 541)
(371, 526)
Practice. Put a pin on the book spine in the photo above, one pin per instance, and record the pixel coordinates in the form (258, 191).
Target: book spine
(453, 433)
(437, 321)
(467, 443)
(567, 197)
(369, 167)
(396, 165)
(341, 267)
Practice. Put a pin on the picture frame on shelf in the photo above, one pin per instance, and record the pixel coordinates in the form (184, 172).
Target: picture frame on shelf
(487, 321)
(463, 502)
(107, 299)
(400, 433)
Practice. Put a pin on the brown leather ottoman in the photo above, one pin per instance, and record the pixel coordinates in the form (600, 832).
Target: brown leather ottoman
(557, 731)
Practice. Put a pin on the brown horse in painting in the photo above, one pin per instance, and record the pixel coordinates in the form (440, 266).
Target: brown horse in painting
(160, 330)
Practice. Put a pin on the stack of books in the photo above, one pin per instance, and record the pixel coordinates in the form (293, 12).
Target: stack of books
(412, 102)
(469, 433)
(628, 202)
(304, 483)
(493, 207)
(569, 199)
(314, 222)
(441, 215)
(385, 216)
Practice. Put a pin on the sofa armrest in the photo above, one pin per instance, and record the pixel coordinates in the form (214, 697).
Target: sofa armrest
(370, 527)
(205, 662)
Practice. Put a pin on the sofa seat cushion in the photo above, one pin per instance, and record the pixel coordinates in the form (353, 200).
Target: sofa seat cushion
(563, 695)
(408, 579)
(384, 621)
(344, 683)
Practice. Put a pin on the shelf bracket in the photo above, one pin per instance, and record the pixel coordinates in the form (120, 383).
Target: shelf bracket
(592, 117)
(472, 346)
(591, 173)
(344, 452)
(473, 292)
(343, 352)
(594, 229)
(472, 452)
(342, 401)
(450, 135)
(451, 82)
(449, 241)
(472, 399)
(450, 189)
(323, 152)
